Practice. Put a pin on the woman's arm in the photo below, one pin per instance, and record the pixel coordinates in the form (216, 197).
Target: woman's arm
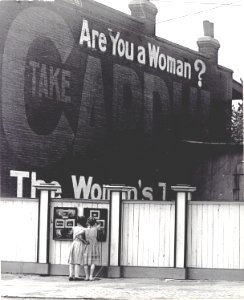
(80, 234)
(97, 225)
(77, 232)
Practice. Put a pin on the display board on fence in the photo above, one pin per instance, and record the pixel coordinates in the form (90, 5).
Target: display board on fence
(64, 219)
(101, 215)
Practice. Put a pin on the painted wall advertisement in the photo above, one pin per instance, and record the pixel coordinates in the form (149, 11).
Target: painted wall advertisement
(83, 188)
(86, 103)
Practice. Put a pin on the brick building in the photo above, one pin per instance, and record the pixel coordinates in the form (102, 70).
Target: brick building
(89, 93)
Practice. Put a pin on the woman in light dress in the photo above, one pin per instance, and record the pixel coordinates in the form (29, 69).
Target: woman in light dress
(79, 244)
(91, 253)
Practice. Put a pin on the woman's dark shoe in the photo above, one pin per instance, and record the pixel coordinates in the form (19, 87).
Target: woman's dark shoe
(78, 279)
(71, 278)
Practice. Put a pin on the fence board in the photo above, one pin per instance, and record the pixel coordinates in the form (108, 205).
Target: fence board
(124, 237)
(156, 237)
(189, 235)
(204, 257)
(219, 240)
(136, 218)
(147, 236)
(241, 216)
(209, 241)
(151, 236)
(230, 238)
(171, 235)
(141, 238)
(130, 236)
(161, 258)
(194, 236)
(227, 234)
(199, 232)
(236, 237)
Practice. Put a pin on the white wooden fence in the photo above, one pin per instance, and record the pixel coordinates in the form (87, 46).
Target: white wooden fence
(215, 233)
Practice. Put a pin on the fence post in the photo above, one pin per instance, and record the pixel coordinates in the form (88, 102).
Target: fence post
(184, 193)
(116, 194)
(44, 222)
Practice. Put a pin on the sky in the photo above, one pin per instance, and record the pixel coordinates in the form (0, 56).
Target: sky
(181, 21)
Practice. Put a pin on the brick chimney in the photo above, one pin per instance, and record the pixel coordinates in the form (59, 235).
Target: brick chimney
(208, 45)
(146, 12)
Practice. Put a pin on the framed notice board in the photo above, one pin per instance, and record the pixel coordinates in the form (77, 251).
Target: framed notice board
(101, 215)
(64, 218)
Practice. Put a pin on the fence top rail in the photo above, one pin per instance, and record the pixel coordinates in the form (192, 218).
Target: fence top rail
(159, 202)
(155, 202)
(58, 200)
(216, 203)
(81, 200)
(2, 199)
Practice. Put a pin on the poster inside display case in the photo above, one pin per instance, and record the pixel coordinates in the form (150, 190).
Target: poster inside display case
(64, 219)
